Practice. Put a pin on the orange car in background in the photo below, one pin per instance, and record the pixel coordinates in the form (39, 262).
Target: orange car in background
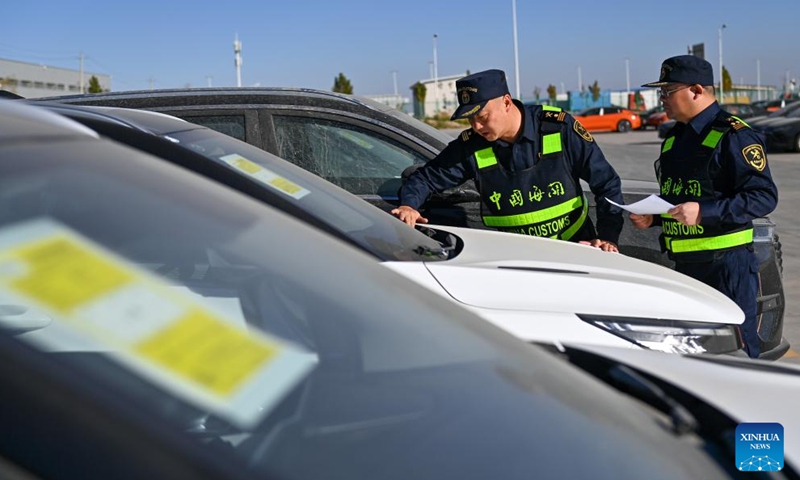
(615, 119)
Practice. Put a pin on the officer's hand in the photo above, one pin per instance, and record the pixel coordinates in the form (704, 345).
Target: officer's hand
(603, 245)
(408, 215)
(641, 221)
(687, 213)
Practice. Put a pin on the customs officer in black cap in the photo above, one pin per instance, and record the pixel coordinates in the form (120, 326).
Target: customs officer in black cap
(713, 168)
(527, 162)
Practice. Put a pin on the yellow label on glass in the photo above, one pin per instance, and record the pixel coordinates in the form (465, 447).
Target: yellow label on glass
(210, 352)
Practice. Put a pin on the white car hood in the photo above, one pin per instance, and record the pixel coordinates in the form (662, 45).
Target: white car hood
(747, 390)
(505, 271)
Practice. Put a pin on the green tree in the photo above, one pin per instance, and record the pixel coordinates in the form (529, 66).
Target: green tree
(551, 92)
(419, 92)
(727, 83)
(94, 85)
(341, 84)
(595, 91)
(639, 100)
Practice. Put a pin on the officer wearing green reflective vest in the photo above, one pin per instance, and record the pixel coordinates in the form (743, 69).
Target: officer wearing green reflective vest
(713, 168)
(527, 162)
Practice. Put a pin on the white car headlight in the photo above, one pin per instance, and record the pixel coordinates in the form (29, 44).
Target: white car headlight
(671, 336)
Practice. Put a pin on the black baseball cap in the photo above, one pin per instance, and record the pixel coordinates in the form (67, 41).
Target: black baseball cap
(473, 91)
(684, 69)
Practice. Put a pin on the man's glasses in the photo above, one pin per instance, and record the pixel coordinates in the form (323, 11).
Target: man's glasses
(664, 93)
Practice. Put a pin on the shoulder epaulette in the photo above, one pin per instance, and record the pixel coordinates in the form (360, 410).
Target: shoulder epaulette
(725, 122)
(736, 123)
(552, 114)
(466, 135)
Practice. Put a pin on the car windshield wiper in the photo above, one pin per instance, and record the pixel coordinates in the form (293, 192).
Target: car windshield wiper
(448, 245)
(682, 420)
(630, 382)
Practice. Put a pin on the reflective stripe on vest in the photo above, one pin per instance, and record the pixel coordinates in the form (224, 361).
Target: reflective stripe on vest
(711, 140)
(551, 143)
(720, 242)
(539, 216)
(668, 144)
(485, 158)
(572, 230)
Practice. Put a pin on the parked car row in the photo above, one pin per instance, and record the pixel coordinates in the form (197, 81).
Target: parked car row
(611, 118)
(741, 110)
(363, 146)
(653, 117)
(775, 105)
(157, 323)
(523, 284)
(781, 128)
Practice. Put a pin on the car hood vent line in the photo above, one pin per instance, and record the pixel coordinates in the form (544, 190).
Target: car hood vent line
(542, 269)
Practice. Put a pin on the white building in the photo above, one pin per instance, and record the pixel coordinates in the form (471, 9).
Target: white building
(440, 95)
(397, 101)
(32, 80)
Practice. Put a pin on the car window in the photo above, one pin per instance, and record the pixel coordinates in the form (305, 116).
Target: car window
(232, 125)
(370, 228)
(360, 161)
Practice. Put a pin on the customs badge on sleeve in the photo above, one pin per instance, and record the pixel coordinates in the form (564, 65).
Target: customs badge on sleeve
(582, 131)
(755, 157)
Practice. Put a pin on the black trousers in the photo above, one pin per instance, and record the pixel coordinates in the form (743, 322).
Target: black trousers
(735, 274)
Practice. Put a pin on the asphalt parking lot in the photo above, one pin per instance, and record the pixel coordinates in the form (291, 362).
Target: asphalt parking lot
(632, 154)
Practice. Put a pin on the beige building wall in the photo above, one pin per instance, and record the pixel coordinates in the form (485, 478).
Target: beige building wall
(35, 80)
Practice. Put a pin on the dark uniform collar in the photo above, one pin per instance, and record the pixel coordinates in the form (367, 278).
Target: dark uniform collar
(528, 132)
(702, 119)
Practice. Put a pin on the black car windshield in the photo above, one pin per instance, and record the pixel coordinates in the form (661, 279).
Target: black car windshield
(255, 338)
(372, 229)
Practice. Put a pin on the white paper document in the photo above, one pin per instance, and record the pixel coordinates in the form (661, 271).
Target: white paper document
(652, 205)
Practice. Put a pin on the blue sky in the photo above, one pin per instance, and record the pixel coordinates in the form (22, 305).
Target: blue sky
(306, 44)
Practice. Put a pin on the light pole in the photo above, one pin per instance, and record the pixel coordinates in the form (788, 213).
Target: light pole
(394, 80)
(435, 75)
(516, 48)
(580, 80)
(721, 91)
(237, 60)
(627, 77)
(758, 78)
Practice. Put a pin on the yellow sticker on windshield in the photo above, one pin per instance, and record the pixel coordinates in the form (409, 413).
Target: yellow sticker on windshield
(168, 337)
(211, 352)
(60, 274)
(265, 176)
(246, 165)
